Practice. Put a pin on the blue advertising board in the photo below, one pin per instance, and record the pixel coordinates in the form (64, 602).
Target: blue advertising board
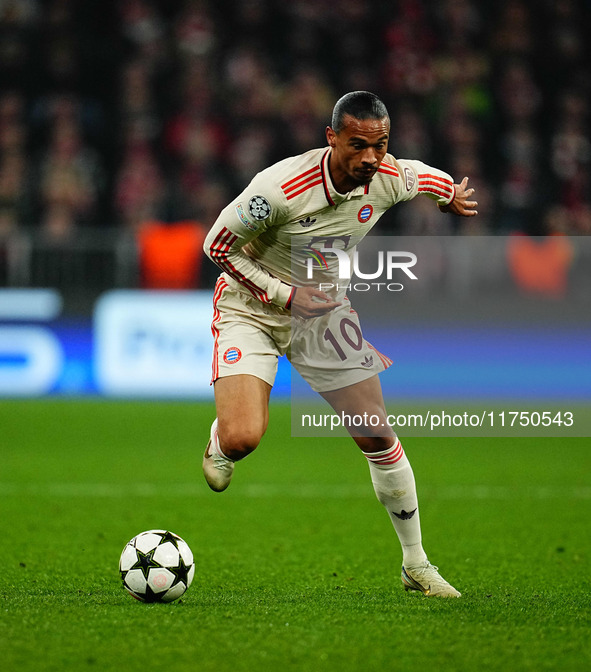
(158, 345)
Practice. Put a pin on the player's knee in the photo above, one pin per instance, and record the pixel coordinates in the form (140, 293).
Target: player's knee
(237, 442)
(375, 444)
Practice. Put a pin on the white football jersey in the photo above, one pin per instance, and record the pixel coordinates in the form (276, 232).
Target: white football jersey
(264, 239)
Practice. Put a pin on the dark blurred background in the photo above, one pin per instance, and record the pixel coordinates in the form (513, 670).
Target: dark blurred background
(119, 118)
(116, 112)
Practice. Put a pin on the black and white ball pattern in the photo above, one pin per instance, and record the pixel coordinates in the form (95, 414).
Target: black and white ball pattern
(259, 208)
(156, 566)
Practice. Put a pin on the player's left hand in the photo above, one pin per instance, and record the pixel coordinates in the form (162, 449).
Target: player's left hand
(460, 204)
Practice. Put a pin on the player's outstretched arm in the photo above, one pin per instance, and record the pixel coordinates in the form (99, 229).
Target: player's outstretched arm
(309, 302)
(461, 204)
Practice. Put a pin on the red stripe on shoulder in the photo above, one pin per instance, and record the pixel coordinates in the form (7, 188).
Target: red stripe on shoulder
(297, 185)
(388, 168)
(387, 172)
(299, 177)
(305, 187)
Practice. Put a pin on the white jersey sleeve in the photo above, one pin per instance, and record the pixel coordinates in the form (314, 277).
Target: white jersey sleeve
(420, 178)
(258, 208)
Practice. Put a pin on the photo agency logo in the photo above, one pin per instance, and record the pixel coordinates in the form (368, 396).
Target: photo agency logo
(339, 269)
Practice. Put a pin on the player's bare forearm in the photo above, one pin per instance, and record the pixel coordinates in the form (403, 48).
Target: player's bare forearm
(462, 205)
(308, 302)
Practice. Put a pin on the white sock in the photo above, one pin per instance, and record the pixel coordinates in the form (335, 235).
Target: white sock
(394, 484)
(215, 448)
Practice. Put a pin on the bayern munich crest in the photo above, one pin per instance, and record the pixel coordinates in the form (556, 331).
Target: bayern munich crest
(365, 213)
(232, 355)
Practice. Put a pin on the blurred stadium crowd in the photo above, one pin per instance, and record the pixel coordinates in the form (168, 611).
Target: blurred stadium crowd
(118, 112)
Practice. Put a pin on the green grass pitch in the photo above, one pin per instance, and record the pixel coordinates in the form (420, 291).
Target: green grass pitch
(297, 566)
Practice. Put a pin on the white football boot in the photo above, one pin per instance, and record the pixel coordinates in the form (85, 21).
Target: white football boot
(427, 579)
(217, 468)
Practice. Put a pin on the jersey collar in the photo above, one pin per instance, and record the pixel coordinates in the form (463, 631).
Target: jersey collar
(333, 197)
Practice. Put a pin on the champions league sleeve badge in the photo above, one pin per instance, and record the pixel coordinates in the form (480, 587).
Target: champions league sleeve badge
(259, 208)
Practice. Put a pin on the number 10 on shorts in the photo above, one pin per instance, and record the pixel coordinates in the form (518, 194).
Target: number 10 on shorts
(350, 333)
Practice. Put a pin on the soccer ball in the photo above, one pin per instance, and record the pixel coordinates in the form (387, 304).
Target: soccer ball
(156, 566)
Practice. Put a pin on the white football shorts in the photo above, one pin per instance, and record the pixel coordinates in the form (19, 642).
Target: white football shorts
(328, 351)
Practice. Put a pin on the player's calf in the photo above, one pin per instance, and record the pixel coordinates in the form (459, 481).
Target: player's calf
(224, 449)
(238, 440)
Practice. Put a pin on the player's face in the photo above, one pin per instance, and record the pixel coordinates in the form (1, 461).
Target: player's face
(357, 151)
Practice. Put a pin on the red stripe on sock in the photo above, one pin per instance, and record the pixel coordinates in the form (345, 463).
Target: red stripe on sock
(391, 457)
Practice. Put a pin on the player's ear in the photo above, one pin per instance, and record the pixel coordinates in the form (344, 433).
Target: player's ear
(331, 137)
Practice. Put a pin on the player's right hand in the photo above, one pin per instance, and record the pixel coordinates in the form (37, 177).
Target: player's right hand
(308, 302)
(461, 205)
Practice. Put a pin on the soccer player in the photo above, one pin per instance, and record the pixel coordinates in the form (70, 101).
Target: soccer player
(324, 199)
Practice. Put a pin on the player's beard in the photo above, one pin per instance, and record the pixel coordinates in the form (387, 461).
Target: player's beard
(364, 176)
